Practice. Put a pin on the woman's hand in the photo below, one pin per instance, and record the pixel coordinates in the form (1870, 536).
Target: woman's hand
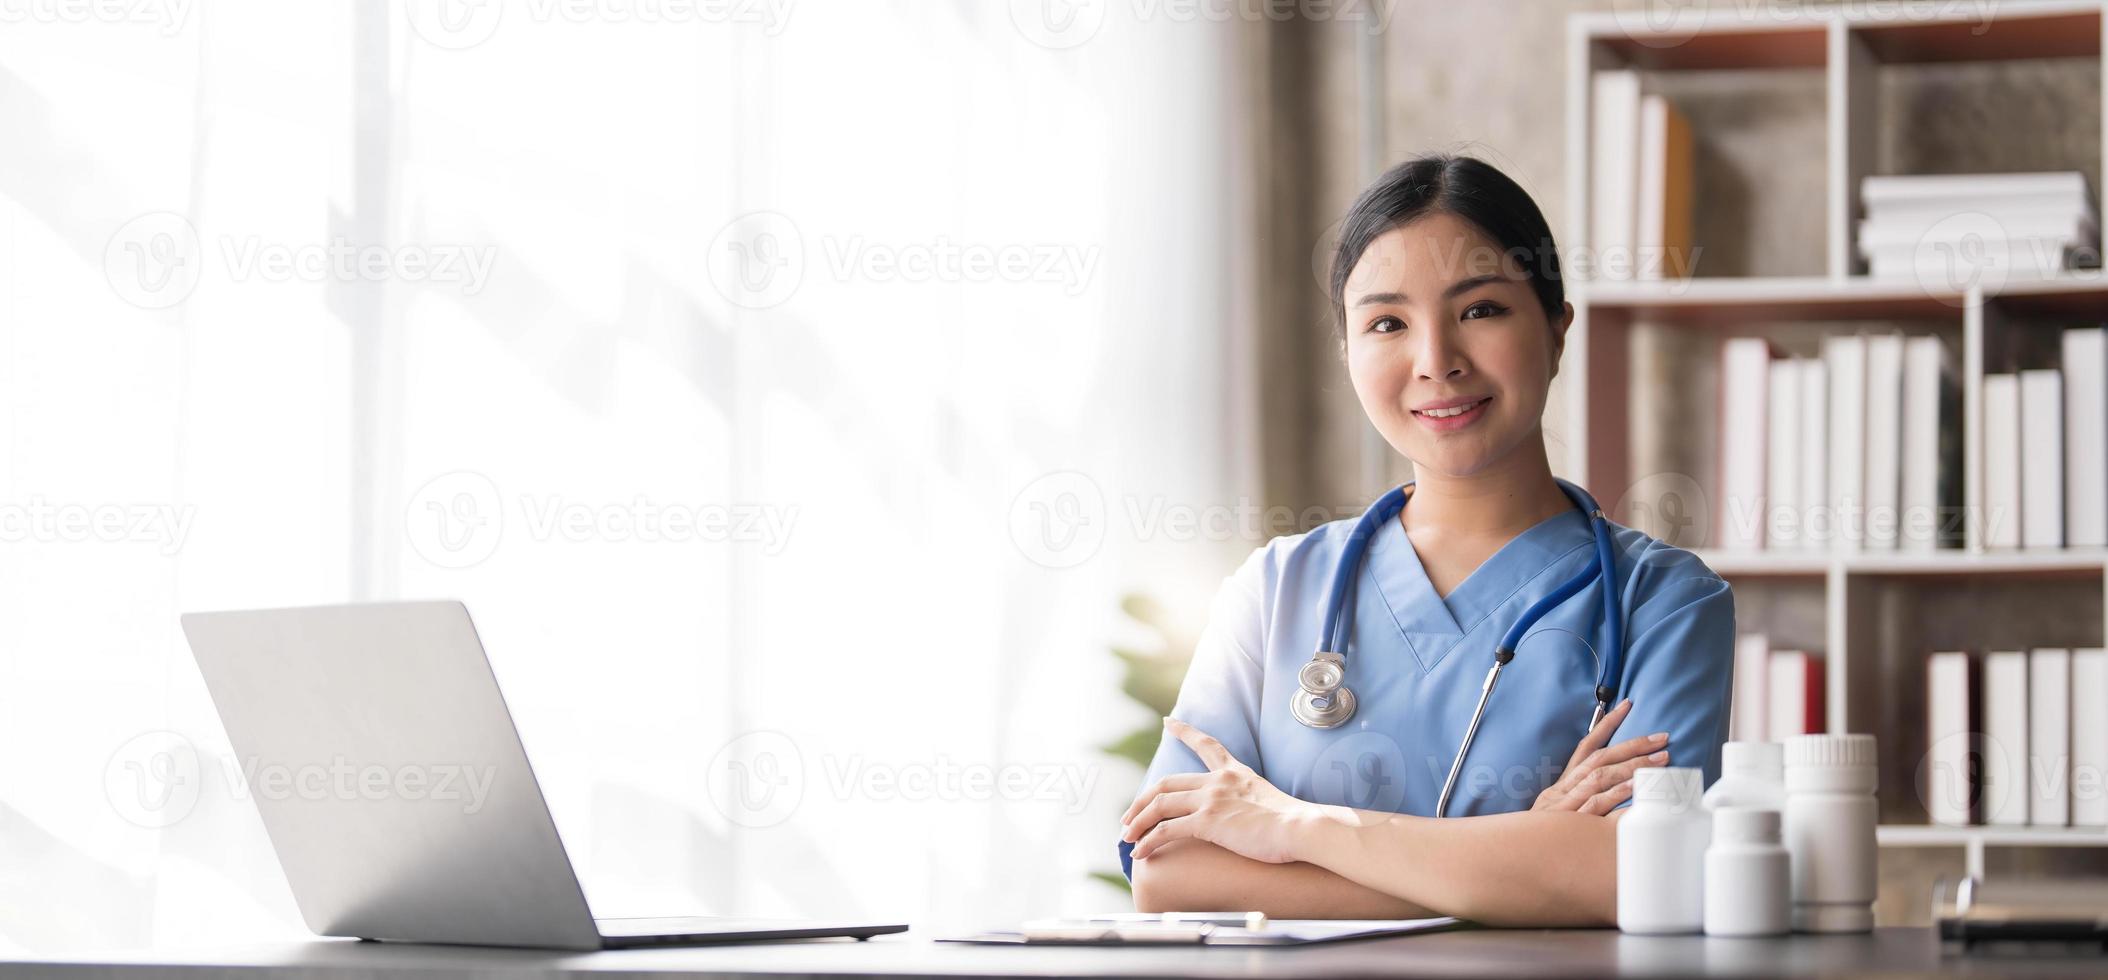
(1597, 778)
(1229, 805)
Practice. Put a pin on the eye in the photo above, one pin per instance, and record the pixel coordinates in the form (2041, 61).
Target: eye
(1386, 324)
(1482, 309)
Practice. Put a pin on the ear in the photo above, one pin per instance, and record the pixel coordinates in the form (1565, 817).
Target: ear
(1566, 322)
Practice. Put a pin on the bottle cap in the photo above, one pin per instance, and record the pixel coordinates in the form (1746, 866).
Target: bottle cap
(1830, 764)
(1753, 758)
(1677, 786)
(1746, 825)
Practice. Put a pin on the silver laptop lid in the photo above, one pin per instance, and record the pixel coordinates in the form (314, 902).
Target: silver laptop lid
(389, 775)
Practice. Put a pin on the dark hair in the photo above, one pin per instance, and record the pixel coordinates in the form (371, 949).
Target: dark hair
(1468, 188)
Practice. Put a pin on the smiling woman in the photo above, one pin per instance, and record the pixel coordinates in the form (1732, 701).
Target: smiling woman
(1452, 313)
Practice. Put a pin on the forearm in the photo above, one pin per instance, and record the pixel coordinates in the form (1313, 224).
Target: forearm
(1196, 876)
(1531, 868)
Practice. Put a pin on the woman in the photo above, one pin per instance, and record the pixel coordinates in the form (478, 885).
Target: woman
(1447, 291)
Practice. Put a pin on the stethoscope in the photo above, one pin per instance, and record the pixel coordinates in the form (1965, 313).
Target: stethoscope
(1323, 699)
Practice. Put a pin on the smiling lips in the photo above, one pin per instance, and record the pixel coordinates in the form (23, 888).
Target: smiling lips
(1453, 416)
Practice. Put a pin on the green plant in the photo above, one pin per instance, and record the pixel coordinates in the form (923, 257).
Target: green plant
(1152, 678)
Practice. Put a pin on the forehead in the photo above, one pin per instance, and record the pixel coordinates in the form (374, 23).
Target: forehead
(1432, 251)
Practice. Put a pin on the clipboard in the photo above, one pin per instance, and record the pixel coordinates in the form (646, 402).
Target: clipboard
(1149, 931)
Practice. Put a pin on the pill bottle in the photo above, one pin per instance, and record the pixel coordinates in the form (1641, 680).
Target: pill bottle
(1661, 853)
(1829, 831)
(1751, 774)
(1748, 879)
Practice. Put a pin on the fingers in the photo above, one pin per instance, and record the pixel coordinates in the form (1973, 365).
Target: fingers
(1211, 752)
(1603, 803)
(1176, 828)
(1168, 784)
(1162, 808)
(1611, 777)
(1600, 733)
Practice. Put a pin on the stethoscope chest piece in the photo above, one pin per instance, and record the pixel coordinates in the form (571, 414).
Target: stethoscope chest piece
(1322, 698)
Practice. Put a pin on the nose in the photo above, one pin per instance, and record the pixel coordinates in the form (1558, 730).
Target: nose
(1441, 357)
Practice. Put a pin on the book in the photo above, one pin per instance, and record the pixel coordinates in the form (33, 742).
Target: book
(1845, 358)
(1817, 529)
(2001, 441)
(1745, 384)
(1794, 694)
(2041, 459)
(2049, 737)
(1747, 712)
(1930, 481)
(1880, 191)
(1663, 221)
(1884, 439)
(1613, 165)
(1950, 736)
(1782, 456)
(2005, 794)
(1907, 229)
(2089, 737)
(2085, 365)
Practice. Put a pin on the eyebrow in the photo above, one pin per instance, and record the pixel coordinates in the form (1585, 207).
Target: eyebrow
(1455, 288)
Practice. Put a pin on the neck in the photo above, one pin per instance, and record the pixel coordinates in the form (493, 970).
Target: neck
(1502, 500)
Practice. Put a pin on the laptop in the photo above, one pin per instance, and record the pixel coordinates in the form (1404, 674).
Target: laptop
(396, 792)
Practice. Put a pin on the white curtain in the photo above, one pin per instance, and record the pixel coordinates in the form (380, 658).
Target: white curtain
(791, 391)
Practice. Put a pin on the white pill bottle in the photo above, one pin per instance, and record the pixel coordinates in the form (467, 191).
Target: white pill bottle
(1748, 882)
(1830, 818)
(1661, 853)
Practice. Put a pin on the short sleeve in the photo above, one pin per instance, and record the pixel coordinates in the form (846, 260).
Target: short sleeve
(1220, 695)
(1679, 667)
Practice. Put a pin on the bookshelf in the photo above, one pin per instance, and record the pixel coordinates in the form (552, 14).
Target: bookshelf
(1875, 614)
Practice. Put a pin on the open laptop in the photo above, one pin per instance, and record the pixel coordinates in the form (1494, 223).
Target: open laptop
(395, 790)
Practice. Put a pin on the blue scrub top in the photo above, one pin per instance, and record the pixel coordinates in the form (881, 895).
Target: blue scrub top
(1418, 660)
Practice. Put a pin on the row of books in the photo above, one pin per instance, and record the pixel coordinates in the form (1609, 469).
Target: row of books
(2017, 737)
(1858, 448)
(1777, 692)
(2046, 450)
(1955, 228)
(1640, 182)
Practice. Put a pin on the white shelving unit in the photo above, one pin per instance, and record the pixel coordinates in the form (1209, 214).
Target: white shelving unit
(1874, 614)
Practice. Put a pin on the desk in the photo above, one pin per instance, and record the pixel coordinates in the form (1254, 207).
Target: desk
(1535, 954)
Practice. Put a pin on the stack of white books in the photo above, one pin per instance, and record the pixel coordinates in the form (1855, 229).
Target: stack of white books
(1962, 228)
(2017, 738)
(1859, 448)
(2046, 450)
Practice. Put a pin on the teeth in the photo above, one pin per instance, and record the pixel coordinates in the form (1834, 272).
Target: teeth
(1443, 413)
